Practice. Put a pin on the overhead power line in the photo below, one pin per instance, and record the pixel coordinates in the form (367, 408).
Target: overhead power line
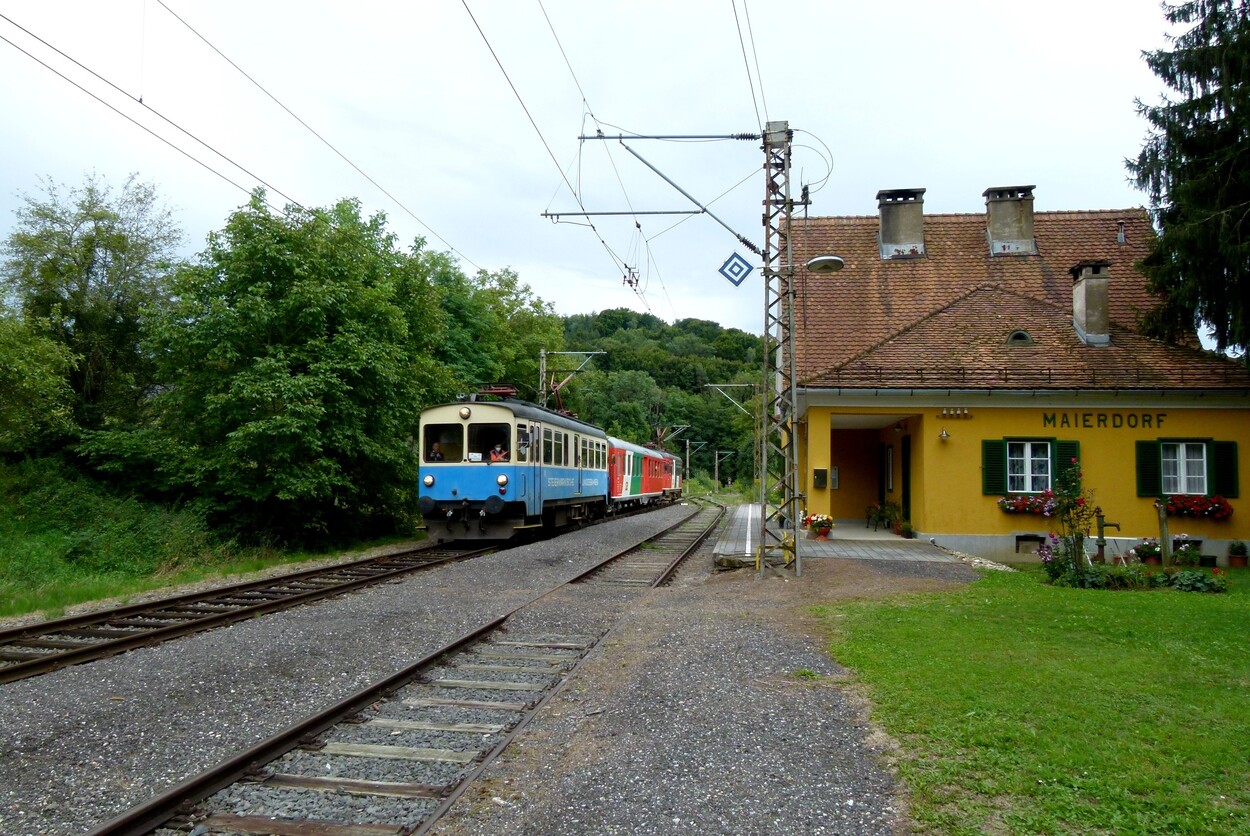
(617, 261)
(134, 121)
(750, 82)
(311, 130)
(139, 101)
(759, 76)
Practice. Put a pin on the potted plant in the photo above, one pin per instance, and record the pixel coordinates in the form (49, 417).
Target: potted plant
(819, 524)
(1185, 552)
(1237, 553)
(1148, 551)
(905, 529)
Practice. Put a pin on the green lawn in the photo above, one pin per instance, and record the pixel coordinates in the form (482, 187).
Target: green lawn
(1025, 708)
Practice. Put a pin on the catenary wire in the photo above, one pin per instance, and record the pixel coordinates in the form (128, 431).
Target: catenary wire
(324, 141)
(139, 101)
(759, 76)
(827, 157)
(589, 111)
(130, 118)
(746, 63)
(616, 260)
(709, 203)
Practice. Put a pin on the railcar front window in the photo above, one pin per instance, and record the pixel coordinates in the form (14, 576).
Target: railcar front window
(442, 443)
(484, 437)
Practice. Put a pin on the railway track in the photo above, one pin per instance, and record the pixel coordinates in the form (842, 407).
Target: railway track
(392, 758)
(39, 648)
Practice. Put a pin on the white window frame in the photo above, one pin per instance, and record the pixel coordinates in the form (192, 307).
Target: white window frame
(1033, 465)
(1184, 467)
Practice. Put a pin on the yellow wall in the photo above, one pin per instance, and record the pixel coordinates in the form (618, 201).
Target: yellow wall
(946, 493)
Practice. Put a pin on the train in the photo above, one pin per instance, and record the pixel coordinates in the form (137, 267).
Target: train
(502, 468)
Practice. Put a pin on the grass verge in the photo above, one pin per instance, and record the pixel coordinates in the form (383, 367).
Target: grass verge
(66, 539)
(1025, 708)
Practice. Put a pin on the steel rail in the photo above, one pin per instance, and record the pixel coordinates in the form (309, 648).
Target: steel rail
(672, 567)
(148, 816)
(88, 652)
(154, 813)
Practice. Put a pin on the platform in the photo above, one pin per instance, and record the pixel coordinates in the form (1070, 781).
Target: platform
(849, 539)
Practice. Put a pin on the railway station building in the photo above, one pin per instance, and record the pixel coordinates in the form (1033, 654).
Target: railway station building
(958, 362)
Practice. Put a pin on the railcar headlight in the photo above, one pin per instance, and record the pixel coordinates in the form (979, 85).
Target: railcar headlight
(502, 480)
(428, 481)
(465, 412)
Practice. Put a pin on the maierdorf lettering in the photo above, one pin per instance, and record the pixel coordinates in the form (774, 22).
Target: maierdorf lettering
(1103, 420)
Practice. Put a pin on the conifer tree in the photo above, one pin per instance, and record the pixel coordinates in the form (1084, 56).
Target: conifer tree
(1195, 165)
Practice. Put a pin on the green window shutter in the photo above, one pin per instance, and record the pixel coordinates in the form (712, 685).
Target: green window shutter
(1149, 469)
(1063, 452)
(993, 466)
(1222, 465)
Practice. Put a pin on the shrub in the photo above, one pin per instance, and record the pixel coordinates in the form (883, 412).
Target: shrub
(1136, 576)
(1192, 580)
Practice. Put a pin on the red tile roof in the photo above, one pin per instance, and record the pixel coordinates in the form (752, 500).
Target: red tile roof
(942, 320)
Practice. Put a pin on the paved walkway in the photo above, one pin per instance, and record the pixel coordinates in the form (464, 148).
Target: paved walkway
(849, 539)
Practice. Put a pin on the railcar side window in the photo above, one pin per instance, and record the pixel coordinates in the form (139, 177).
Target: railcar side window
(522, 444)
(449, 439)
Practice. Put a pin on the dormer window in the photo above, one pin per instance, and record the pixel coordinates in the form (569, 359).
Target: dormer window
(1019, 338)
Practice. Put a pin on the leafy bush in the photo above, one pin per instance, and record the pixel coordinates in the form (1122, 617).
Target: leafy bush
(55, 524)
(1191, 580)
(1135, 576)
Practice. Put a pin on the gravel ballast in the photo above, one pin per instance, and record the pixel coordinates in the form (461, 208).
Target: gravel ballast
(687, 718)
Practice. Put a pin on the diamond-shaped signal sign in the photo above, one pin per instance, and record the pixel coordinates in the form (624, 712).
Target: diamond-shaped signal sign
(736, 269)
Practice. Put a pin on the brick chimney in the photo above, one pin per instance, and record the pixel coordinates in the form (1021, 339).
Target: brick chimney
(902, 223)
(1089, 302)
(1009, 220)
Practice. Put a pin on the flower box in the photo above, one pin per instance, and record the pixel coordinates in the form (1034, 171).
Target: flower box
(1201, 507)
(1028, 503)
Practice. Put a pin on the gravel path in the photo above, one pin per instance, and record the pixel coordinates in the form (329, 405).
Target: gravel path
(81, 745)
(688, 718)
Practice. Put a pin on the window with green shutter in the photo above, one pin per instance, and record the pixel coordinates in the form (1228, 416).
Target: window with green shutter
(1012, 465)
(1186, 466)
(993, 466)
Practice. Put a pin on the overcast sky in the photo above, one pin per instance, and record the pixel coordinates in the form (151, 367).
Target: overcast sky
(953, 97)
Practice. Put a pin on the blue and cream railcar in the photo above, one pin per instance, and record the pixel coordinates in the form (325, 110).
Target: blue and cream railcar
(502, 467)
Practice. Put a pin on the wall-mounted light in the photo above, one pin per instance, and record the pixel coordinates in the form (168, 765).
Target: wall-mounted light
(898, 428)
(943, 435)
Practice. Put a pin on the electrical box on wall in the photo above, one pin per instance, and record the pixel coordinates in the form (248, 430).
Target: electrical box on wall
(820, 478)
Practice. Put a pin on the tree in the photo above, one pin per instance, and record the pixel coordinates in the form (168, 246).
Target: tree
(627, 404)
(299, 353)
(1194, 167)
(34, 395)
(82, 265)
(496, 327)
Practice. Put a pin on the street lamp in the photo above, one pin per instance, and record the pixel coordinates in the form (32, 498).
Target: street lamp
(825, 264)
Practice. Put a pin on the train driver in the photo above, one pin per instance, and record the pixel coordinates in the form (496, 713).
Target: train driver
(436, 453)
(498, 453)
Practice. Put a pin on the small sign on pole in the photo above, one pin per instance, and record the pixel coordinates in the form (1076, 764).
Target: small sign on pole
(736, 269)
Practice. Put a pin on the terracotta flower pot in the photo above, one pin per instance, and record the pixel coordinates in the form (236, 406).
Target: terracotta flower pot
(1152, 560)
(1237, 561)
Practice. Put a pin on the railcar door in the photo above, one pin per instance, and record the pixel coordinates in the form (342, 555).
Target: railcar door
(523, 458)
(579, 460)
